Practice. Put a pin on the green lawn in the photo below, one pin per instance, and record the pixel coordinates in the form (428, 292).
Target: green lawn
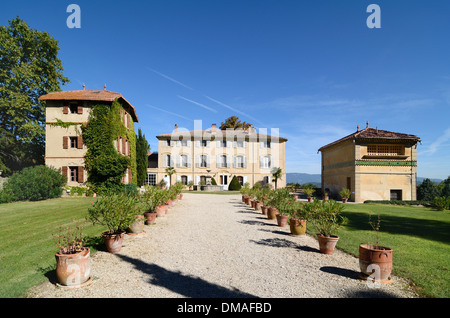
(27, 248)
(419, 237)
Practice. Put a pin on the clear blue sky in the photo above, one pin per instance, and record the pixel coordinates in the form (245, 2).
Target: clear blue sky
(313, 69)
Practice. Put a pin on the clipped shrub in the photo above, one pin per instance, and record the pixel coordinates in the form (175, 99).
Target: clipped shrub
(441, 203)
(34, 184)
(234, 185)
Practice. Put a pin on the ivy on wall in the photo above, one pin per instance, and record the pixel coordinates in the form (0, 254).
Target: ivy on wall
(104, 164)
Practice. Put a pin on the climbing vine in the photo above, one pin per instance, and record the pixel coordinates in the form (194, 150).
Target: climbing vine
(104, 164)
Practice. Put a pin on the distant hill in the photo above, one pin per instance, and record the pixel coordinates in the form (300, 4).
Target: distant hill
(302, 178)
(420, 180)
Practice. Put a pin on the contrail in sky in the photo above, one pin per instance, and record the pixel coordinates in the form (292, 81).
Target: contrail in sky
(201, 105)
(170, 79)
(166, 111)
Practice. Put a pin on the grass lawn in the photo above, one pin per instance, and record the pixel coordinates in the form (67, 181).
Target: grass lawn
(419, 237)
(27, 249)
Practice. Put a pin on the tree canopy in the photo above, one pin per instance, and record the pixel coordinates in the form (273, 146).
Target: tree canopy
(235, 123)
(29, 68)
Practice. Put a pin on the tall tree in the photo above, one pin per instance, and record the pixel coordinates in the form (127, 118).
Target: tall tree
(29, 68)
(235, 123)
(427, 190)
(142, 149)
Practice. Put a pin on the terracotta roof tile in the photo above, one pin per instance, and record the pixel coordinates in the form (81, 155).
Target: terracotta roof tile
(374, 133)
(90, 95)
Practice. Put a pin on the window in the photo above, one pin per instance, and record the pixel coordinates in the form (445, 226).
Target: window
(203, 161)
(265, 162)
(73, 174)
(169, 143)
(184, 180)
(240, 144)
(204, 143)
(184, 161)
(396, 195)
(222, 161)
(266, 180)
(222, 143)
(168, 161)
(265, 144)
(151, 179)
(386, 150)
(241, 180)
(240, 162)
(73, 142)
(73, 108)
(184, 142)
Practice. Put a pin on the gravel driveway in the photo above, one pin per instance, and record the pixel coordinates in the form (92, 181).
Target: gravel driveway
(211, 245)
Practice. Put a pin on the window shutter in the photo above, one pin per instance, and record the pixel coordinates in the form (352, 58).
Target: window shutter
(234, 161)
(80, 110)
(207, 161)
(218, 165)
(64, 172)
(80, 174)
(65, 109)
(244, 158)
(124, 144)
(270, 162)
(234, 144)
(178, 161)
(80, 142)
(65, 142)
(261, 161)
(245, 180)
(130, 177)
(197, 143)
(245, 144)
(228, 161)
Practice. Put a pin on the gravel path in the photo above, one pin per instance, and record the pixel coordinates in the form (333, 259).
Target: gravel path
(211, 245)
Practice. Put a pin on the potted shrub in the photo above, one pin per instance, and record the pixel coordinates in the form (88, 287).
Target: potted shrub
(245, 191)
(326, 218)
(375, 261)
(190, 185)
(297, 219)
(149, 202)
(264, 197)
(325, 196)
(116, 212)
(272, 202)
(284, 204)
(73, 263)
(345, 194)
(308, 191)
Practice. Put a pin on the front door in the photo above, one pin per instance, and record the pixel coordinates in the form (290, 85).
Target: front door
(223, 181)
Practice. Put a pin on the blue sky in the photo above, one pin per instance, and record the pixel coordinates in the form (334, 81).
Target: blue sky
(313, 69)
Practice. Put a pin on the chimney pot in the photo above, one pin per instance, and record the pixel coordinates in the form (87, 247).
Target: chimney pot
(367, 123)
(213, 128)
(176, 128)
(104, 87)
(357, 128)
(84, 86)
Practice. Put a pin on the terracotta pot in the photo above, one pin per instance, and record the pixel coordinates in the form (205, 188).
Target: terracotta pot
(113, 241)
(180, 196)
(137, 226)
(379, 256)
(243, 198)
(344, 200)
(258, 206)
(254, 204)
(73, 269)
(160, 210)
(264, 209)
(310, 199)
(282, 219)
(271, 213)
(327, 243)
(150, 216)
(326, 198)
(297, 227)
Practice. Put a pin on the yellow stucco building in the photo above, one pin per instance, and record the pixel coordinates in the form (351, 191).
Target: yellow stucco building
(65, 112)
(199, 155)
(374, 164)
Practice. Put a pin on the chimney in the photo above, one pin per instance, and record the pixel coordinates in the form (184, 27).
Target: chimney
(176, 128)
(84, 86)
(213, 128)
(367, 123)
(357, 128)
(104, 87)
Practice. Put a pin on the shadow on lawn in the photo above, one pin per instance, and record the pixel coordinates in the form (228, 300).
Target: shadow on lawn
(188, 286)
(427, 229)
